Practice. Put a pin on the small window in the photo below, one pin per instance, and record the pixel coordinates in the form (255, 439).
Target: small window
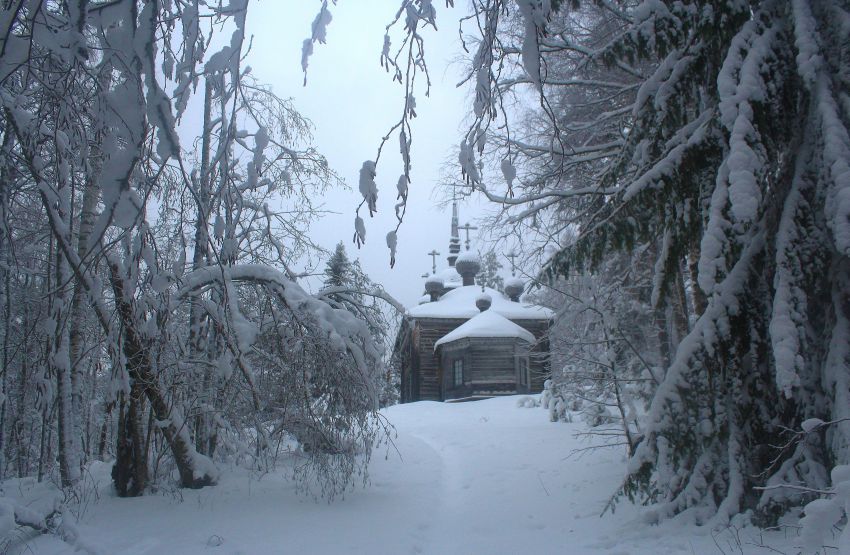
(457, 372)
(523, 371)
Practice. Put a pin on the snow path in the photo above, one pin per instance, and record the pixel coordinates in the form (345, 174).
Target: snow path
(499, 472)
(479, 477)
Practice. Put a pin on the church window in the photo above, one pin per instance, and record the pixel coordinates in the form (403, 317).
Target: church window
(457, 371)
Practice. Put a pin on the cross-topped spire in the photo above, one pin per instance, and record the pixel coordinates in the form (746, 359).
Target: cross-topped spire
(467, 228)
(512, 255)
(454, 240)
(434, 254)
(455, 187)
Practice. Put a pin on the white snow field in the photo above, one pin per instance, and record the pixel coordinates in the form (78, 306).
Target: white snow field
(479, 477)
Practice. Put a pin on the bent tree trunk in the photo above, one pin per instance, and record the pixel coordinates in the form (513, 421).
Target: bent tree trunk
(192, 467)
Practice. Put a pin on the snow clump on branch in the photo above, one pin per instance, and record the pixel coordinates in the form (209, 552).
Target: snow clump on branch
(368, 187)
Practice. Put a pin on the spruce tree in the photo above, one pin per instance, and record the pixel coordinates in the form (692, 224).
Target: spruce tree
(349, 288)
(738, 156)
(489, 276)
(338, 269)
(724, 152)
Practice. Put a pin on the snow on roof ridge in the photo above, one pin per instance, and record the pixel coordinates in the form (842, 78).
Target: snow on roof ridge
(514, 281)
(460, 303)
(448, 275)
(486, 324)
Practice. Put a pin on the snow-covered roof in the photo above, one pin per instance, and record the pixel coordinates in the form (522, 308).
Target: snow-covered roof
(434, 279)
(460, 303)
(449, 275)
(515, 282)
(486, 324)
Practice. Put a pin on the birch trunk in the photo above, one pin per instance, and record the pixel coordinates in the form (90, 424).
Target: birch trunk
(200, 257)
(60, 356)
(77, 319)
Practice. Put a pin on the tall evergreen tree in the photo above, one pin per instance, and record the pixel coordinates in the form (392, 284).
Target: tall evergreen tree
(338, 271)
(347, 286)
(724, 148)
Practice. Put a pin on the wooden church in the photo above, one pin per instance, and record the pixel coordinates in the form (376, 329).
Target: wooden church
(464, 342)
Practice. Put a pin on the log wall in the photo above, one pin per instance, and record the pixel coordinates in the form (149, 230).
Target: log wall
(424, 376)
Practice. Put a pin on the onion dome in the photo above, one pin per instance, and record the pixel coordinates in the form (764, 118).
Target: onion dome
(467, 266)
(483, 301)
(433, 286)
(514, 287)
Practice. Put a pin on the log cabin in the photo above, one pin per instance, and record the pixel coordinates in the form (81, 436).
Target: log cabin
(464, 341)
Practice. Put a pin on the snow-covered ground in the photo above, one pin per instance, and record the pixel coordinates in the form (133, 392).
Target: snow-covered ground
(479, 477)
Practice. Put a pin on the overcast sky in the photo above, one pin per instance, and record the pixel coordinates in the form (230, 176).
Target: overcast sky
(352, 102)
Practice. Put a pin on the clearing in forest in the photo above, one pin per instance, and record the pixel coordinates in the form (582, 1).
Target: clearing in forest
(477, 477)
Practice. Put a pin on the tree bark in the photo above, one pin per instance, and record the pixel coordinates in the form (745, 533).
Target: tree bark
(104, 430)
(200, 256)
(5, 301)
(679, 309)
(60, 361)
(77, 317)
(130, 472)
(698, 295)
(140, 371)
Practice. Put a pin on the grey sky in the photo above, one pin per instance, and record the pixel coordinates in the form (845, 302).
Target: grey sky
(353, 102)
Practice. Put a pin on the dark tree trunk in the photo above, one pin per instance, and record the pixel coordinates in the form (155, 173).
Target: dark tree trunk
(140, 371)
(104, 430)
(130, 473)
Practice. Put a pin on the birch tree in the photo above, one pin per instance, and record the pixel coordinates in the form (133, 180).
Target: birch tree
(92, 94)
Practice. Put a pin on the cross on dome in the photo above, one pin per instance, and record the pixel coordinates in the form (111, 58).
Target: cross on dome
(467, 228)
(433, 254)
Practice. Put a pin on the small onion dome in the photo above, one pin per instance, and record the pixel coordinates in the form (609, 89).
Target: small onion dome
(433, 286)
(467, 266)
(514, 287)
(424, 299)
(483, 302)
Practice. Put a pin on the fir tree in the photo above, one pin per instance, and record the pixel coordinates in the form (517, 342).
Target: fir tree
(489, 276)
(338, 271)
(737, 156)
(348, 287)
(716, 136)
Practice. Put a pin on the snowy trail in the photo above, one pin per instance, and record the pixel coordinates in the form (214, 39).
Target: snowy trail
(508, 483)
(467, 478)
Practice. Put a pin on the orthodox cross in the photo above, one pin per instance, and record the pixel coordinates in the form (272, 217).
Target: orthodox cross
(455, 187)
(512, 255)
(467, 228)
(434, 254)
